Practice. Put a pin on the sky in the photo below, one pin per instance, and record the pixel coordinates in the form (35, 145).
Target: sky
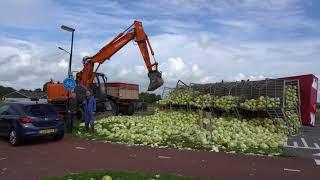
(196, 41)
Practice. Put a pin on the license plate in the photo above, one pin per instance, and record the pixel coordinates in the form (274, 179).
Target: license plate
(47, 131)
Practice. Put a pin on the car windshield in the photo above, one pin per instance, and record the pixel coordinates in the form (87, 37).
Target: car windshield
(39, 110)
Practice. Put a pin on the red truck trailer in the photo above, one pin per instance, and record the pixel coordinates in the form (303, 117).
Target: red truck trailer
(308, 97)
(124, 96)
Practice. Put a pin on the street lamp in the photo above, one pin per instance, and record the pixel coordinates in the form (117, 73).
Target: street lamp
(69, 29)
(66, 28)
(64, 50)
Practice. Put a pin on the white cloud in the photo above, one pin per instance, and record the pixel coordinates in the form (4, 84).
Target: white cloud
(208, 79)
(180, 57)
(183, 57)
(240, 25)
(63, 64)
(33, 14)
(27, 66)
(205, 40)
(243, 76)
(83, 54)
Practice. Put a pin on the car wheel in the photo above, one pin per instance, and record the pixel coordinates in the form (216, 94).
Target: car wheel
(14, 138)
(58, 137)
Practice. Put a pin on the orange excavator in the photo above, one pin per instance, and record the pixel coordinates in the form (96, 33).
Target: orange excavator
(89, 79)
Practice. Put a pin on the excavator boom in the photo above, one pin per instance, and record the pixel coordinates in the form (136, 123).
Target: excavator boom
(134, 32)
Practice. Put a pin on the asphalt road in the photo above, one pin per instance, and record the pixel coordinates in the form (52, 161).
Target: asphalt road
(47, 158)
(306, 144)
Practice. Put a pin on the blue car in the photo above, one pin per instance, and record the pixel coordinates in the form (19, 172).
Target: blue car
(19, 121)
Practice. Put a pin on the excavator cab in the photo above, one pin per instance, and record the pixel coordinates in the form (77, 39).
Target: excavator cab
(155, 80)
(99, 85)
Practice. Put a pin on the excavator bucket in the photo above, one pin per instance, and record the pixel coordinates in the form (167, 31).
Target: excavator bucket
(155, 80)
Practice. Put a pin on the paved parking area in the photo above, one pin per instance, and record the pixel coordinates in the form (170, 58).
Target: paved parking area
(306, 145)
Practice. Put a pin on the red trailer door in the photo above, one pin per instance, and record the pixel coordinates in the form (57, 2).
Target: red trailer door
(308, 97)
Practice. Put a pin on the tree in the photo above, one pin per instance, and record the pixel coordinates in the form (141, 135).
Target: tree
(38, 90)
(5, 90)
(149, 97)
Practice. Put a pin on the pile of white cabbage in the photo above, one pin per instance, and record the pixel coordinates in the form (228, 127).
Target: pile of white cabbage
(226, 103)
(185, 96)
(293, 121)
(261, 103)
(189, 97)
(203, 101)
(292, 99)
(187, 129)
(182, 130)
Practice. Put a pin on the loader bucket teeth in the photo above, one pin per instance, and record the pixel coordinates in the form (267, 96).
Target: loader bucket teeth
(155, 80)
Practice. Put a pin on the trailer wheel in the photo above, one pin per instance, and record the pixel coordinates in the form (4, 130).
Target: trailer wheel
(130, 109)
(115, 108)
(127, 110)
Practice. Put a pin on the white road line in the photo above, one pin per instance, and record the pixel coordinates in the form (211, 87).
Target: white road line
(316, 145)
(293, 170)
(164, 157)
(317, 162)
(318, 154)
(301, 147)
(295, 144)
(80, 148)
(304, 142)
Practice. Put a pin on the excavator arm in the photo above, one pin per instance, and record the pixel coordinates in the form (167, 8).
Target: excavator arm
(134, 32)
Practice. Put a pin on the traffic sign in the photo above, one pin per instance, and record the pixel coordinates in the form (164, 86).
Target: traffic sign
(69, 84)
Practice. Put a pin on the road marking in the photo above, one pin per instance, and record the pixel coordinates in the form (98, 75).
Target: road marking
(316, 145)
(301, 147)
(293, 170)
(295, 144)
(304, 142)
(3, 158)
(164, 157)
(317, 162)
(80, 148)
(318, 154)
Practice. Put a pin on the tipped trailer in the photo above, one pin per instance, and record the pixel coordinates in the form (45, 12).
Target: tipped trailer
(309, 85)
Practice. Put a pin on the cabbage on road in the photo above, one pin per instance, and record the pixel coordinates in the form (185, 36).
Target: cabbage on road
(181, 129)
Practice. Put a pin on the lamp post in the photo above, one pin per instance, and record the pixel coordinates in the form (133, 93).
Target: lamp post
(69, 29)
(64, 50)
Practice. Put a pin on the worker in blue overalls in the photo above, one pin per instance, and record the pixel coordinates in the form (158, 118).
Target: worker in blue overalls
(89, 110)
